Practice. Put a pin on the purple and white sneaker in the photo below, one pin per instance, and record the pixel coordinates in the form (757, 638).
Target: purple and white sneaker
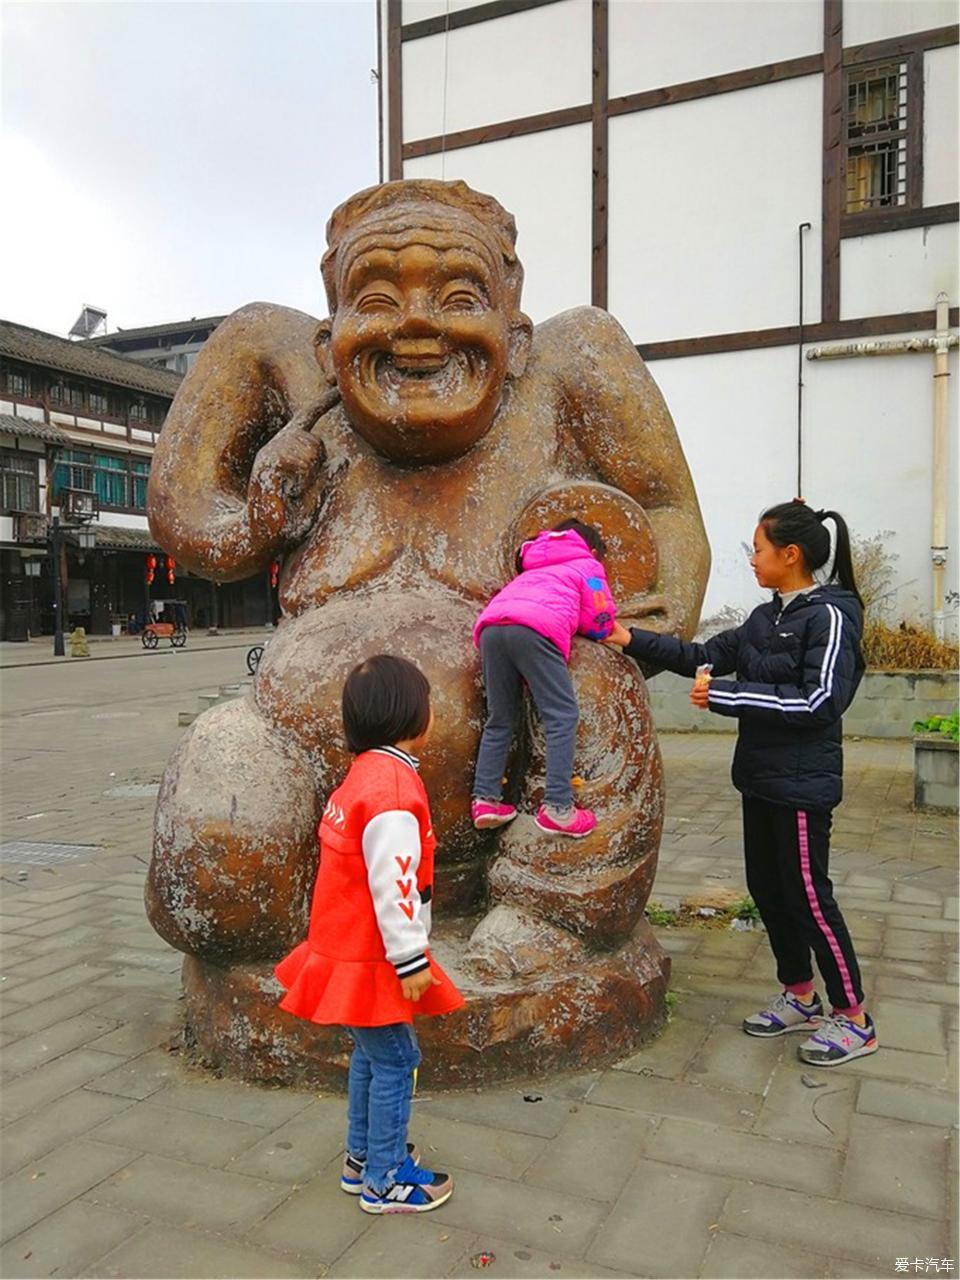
(784, 1013)
(838, 1039)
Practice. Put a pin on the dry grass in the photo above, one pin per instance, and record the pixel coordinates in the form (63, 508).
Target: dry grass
(887, 648)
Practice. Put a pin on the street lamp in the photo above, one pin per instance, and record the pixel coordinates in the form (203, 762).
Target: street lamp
(83, 512)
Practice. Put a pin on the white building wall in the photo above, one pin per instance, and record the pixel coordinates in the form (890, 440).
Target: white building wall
(941, 102)
(898, 271)
(544, 181)
(661, 42)
(705, 199)
(481, 74)
(868, 428)
(704, 213)
(866, 20)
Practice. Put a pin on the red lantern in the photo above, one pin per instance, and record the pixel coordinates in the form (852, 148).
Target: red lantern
(151, 565)
(274, 573)
(171, 566)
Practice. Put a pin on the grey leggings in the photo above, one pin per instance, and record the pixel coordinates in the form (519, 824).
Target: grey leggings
(510, 656)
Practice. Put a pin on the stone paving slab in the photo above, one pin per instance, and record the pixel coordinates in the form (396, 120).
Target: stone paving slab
(188, 1254)
(68, 1240)
(705, 1154)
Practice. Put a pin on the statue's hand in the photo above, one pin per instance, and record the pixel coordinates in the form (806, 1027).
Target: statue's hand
(286, 483)
(651, 613)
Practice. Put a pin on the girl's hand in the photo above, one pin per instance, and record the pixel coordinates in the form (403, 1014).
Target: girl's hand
(414, 986)
(700, 696)
(618, 637)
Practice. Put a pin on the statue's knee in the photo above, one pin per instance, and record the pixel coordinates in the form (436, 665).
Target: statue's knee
(234, 852)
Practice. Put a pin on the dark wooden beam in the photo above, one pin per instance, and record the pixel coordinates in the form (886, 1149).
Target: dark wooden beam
(601, 183)
(901, 46)
(834, 176)
(468, 17)
(915, 130)
(394, 92)
(874, 221)
(729, 82)
(497, 132)
(379, 92)
(788, 335)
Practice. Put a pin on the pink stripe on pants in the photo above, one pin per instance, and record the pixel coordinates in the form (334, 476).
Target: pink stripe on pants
(814, 903)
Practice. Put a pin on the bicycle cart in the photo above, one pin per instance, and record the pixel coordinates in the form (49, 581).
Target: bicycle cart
(154, 632)
(174, 630)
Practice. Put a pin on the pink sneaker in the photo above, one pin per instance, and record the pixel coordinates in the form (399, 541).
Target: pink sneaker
(580, 825)
(491, 813)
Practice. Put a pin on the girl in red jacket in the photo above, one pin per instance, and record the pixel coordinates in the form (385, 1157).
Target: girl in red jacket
(365, 962)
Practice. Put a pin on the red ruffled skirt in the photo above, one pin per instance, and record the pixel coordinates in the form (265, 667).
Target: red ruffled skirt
(356, 993)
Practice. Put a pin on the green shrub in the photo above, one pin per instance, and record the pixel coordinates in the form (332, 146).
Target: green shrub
(948, 726)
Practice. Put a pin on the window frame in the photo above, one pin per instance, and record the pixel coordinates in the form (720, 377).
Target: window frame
(29, 473)
(84, 471)
(887, 217)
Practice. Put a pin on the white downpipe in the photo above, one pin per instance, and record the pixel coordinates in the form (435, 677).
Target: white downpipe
(938, 541)
(896, 347)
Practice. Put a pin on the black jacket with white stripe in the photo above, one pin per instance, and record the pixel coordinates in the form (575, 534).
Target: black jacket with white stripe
(797, 671)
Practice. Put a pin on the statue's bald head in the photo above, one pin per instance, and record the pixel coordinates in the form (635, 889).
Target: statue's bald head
(396, 211)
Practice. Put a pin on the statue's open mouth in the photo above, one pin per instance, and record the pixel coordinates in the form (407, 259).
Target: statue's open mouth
(415, 375)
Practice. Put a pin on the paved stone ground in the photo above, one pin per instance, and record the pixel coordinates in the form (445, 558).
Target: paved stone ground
(706, 1154)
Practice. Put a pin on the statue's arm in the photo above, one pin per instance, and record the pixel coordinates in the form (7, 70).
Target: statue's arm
(621, 422)
(237, 475)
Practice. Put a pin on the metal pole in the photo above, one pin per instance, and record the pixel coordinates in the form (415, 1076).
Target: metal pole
(58, 649)
(804, 226)
(938, 542)
(212, 629)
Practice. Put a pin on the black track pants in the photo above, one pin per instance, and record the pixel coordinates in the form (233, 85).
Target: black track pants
(787, 854)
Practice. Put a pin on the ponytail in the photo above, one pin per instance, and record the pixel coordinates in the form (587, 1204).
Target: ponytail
(842, 570)
(793, 523)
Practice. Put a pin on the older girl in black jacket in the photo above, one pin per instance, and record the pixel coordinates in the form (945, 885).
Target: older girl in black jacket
(798, 664)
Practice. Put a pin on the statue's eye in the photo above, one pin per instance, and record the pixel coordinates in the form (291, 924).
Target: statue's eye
(377, 301)
(462, 298)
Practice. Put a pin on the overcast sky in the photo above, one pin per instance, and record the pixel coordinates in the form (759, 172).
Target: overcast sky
(171, 159)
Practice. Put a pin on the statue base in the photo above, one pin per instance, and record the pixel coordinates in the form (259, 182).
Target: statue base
(516, 1023)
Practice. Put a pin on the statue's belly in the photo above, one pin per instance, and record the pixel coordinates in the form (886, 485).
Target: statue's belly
(301, 676)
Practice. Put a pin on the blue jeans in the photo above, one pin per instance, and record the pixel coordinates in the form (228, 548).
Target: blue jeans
(379, 1096)
(513, 655)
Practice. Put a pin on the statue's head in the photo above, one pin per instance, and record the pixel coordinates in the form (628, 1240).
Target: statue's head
(425, 325)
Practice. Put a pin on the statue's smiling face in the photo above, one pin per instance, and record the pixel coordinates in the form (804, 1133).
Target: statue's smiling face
(420, 341)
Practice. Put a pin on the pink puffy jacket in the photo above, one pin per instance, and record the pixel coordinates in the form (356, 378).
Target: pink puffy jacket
(561, 593)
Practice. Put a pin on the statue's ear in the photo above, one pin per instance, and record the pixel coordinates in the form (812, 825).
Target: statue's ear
(521, 339)
(321, 349)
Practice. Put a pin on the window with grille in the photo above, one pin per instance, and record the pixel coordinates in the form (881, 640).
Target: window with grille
(19, 481)
(118, 481)
(882, 132)
(16, 382)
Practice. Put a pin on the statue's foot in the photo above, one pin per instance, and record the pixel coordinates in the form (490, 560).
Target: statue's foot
(512, 943)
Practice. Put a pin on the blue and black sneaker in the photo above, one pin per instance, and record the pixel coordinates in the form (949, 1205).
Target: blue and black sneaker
(413, 1190)
(351, 1179)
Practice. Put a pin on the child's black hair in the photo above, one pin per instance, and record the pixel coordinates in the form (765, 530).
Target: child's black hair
(794, 523)
(386, 699)
(587, 532)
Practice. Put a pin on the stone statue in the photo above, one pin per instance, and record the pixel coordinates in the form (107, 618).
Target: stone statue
(394, 455)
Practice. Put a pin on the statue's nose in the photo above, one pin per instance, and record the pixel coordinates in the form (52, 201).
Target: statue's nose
(418, 319)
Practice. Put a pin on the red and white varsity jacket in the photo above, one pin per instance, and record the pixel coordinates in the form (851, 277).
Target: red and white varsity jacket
(370, 918)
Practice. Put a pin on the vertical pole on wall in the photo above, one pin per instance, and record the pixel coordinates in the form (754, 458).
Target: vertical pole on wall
(601, 44)
(55, 544)
(804, 226)
(938, 541)
(833, 172)
(394, 91)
